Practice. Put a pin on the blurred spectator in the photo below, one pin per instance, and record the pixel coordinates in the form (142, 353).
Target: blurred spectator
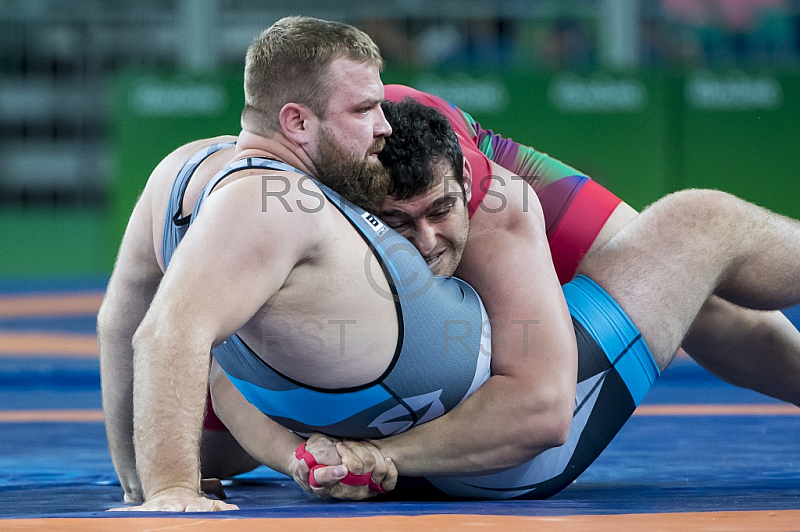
(459, 43)
(569, 45)
(438, 43)
(774, 34)
(394, 39)
(489, 42)
(659, 46)
(736, 30)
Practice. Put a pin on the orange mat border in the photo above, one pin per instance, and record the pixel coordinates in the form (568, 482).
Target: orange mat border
(37, 305)
(61, 416)
(776, 521)
(96, 415)
(44, 343)
(39, 344)
(779, 409)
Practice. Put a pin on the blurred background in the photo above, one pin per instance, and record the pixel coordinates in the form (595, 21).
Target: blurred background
(646, 96)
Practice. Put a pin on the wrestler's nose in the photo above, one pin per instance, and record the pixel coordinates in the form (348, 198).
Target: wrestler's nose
(382, 127)
(425, 238)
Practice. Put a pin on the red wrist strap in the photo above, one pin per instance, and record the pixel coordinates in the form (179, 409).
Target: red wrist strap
(351, 479)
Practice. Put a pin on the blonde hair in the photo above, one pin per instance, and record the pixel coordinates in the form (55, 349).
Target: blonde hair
(289, 62)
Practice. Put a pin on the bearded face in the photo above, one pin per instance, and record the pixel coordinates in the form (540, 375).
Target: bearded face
(362, 180)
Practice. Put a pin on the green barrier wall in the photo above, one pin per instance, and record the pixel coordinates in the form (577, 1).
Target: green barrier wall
(645, 135)
(154, 115)
(642, 135)
(53, 242)
(741, 134)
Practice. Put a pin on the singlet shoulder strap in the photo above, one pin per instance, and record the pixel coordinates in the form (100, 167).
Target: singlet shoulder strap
(241, 164)
(175, 225)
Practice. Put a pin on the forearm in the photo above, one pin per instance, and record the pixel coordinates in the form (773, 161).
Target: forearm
(171, 376)
(122, 310)
(116, 374)
(269, 443)
(484, 434)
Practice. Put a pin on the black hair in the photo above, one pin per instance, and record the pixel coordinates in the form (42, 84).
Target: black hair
(421, 138)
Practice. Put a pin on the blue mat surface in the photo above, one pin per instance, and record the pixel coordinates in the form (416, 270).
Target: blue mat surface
(657, 464)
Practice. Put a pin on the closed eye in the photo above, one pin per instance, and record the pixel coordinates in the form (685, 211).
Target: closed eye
(398, 226)
(440, 214)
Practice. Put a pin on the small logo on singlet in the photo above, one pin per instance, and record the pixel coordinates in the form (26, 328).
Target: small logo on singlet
(376, 224)
(397, 419)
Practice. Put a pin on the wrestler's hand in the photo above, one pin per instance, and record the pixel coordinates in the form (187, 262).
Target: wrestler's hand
(359, 458)
(323, 448)
(179, 500)
(213, 486)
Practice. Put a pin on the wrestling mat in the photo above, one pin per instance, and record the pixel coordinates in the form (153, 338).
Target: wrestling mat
(698, 454)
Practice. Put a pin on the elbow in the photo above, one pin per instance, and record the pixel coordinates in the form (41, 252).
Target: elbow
(115, 322)
(112, 331)
(148, 334)
(547, 420)
(143, 336)
(105, 322)
(158, 336)
(558, 430)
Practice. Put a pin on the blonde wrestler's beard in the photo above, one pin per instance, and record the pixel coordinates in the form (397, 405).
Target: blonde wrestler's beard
(365, 182)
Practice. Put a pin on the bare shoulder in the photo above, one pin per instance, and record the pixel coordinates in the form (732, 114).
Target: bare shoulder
(275, 212)
(242, 250)
(509, 227)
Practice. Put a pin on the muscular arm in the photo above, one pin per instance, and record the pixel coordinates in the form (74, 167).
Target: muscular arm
(232, 260)
(129, 293)
(526, 405)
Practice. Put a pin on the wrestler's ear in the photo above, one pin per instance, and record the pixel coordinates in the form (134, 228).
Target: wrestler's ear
(298, 123)
(467, 171)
